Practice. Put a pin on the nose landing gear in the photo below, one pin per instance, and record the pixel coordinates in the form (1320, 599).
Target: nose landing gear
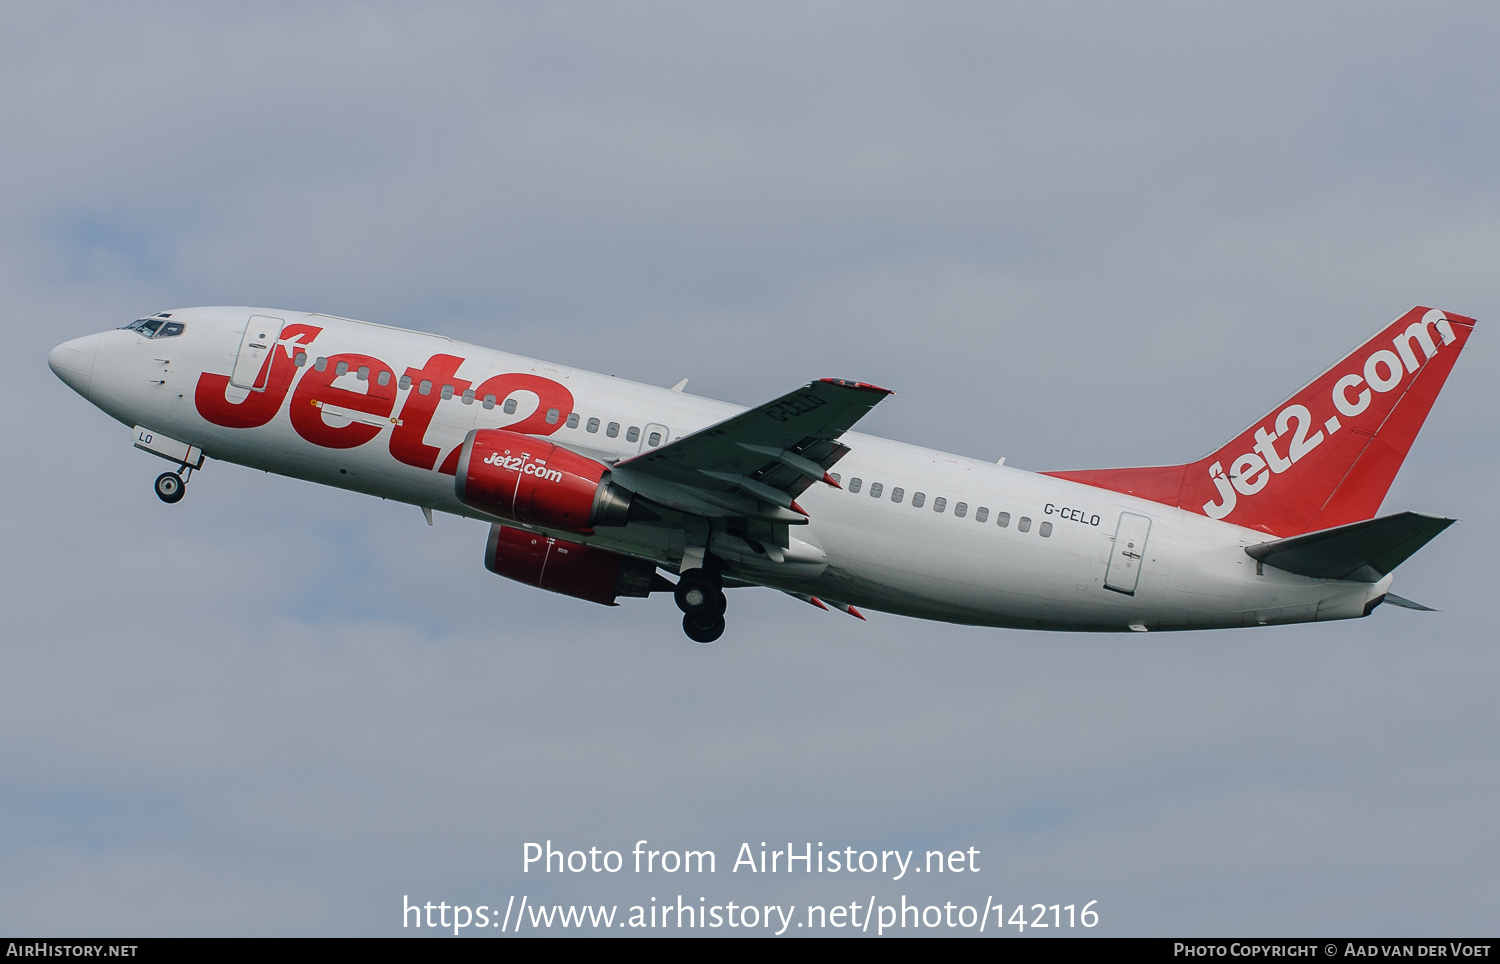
(700, 596)
(171, 486)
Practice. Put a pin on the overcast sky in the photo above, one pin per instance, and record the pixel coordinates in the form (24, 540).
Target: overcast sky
(1073, 235)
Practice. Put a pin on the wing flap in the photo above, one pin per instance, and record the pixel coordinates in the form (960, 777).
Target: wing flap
(1361, 551)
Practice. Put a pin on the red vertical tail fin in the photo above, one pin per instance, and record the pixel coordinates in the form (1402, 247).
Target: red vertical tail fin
(1326, 456)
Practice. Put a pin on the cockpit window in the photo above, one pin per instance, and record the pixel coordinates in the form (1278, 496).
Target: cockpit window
(156, 327)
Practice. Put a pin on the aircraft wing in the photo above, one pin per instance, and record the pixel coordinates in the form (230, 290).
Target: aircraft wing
(757, 462)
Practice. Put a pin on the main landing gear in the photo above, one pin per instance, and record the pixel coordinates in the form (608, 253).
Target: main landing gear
(700, 596)
(172, 486)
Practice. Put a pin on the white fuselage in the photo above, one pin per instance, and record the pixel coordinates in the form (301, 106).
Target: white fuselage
(860, 547)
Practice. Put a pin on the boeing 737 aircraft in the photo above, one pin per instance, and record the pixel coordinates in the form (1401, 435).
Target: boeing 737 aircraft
(592, 484)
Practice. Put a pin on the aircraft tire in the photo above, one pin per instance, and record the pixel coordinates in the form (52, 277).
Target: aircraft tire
(170, 488)
(700, 633)
(698, 592)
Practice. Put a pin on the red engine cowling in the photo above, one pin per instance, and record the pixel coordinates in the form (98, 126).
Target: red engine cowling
(570, 568)
(531, 480)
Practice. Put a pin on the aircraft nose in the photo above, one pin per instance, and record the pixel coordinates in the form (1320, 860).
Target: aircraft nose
(73, 362)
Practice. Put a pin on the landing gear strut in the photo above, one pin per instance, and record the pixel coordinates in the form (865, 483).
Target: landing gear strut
(171, 486)
(700, 596)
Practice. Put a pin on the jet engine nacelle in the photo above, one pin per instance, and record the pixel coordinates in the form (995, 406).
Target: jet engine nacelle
(570, 568)
(531, 480)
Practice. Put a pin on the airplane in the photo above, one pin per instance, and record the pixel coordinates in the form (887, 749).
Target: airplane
(594, 486)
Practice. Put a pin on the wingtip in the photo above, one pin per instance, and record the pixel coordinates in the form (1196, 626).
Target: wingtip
(860, 386)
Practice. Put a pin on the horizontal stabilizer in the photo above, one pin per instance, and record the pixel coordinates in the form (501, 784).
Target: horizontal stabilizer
(1361, 551)
(1395, 600)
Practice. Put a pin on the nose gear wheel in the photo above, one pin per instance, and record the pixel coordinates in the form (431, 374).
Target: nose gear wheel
(170, 487)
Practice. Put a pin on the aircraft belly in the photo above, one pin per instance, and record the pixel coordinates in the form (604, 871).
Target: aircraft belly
(934, 569)
(1189, 580)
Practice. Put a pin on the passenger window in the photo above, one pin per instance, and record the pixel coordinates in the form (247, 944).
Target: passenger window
(654, 439)
(917, 499)
(489, 401)
(613, 430)
(447, 392)
(342, 368)
(897, 493)
(1003, 519)
(1044, 530)
(854, 485)
(939, 504)
(592, 426)
(1024, 525)
(321, 364)
(981, 514)
(404, 384)
(552, 416)
(301, 360)
(632, 434)
(468, 396)
(961, 510)
(363, 374)
(875, 489)
(425, 387)
(836, 477)
(509, 407)
(572, 420)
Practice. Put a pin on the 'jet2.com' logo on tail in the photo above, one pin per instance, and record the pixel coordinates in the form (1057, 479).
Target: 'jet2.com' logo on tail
(1357, 386)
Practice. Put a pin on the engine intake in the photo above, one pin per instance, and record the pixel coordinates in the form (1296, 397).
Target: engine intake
(531, 480)
(570, 568)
